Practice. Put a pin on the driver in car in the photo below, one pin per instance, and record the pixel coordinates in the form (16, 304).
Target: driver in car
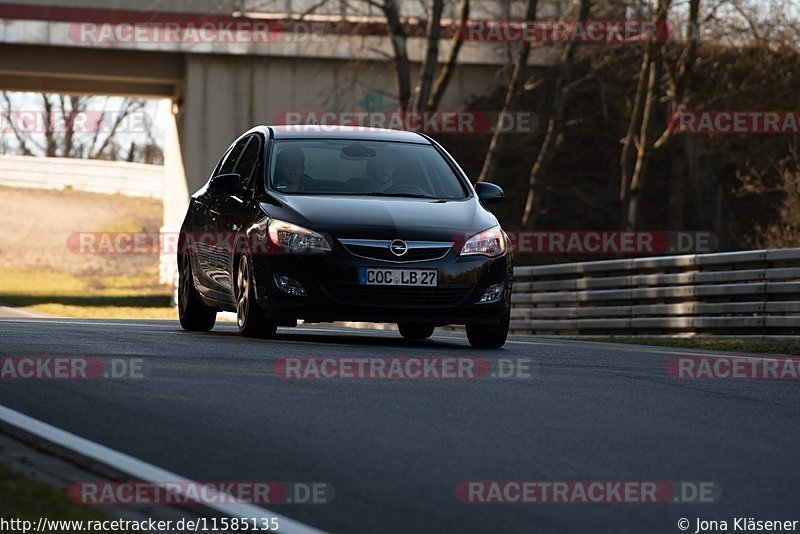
(382, 172)
(290, 168)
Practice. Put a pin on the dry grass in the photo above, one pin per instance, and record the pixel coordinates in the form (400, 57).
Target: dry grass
(39, 272)
(36, 224)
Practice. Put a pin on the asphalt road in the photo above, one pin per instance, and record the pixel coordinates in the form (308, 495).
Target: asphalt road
(210, 408)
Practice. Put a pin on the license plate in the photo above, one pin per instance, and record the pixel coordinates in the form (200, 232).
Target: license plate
(369, 276)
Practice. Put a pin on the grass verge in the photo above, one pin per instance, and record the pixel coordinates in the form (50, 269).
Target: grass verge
(95, 297)
(754, 346)
(28, 500)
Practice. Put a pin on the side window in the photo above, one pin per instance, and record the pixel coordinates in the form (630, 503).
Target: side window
(232, 157)
(248, 163)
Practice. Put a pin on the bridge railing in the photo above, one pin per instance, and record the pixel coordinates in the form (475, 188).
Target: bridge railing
(753, 293)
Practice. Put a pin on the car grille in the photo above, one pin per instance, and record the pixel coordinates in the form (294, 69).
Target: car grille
(379, 250)
(396, 297)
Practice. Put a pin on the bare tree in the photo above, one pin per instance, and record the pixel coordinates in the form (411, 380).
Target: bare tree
(628, 140)
(446, 73)
(427, 94)
(562, 89)
(10, 119)
(652, 58)
(99, 143)
(433, 33)
(520, 62)
(679, 80)
(399, 38)
(62, 129)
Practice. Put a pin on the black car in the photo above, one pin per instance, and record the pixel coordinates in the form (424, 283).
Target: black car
(331, 224)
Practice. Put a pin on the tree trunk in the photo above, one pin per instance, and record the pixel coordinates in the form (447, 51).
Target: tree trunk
(556, 120)
(640, 172)
(50, 141)
(643, 154)
(434, 32)
(402, 67)
(627, 143)
(443, 80)
(681, 96)
(520, 63)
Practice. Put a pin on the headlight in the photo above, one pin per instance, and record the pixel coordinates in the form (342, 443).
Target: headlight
(491, 242)
(291, 238)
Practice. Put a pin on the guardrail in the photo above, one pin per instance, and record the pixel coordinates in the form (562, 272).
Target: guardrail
(96, 176)
(753, 293)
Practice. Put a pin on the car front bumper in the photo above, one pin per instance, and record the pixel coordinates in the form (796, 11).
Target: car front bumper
(333, 293)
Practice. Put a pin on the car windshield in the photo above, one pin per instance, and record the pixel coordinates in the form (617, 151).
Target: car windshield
(370, 168)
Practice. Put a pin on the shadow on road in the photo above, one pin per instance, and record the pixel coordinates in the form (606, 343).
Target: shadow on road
(375, 338)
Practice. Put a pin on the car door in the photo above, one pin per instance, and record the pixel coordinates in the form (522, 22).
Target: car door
(234, 211)
(212, 255)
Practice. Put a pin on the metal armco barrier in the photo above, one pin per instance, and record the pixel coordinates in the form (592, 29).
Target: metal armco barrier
(753, 293)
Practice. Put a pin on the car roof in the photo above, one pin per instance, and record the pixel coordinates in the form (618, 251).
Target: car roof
(346, 132)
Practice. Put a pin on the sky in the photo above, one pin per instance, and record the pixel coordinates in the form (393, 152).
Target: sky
(27, 114)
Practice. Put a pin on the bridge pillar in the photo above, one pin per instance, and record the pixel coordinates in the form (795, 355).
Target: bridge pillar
(176, 194)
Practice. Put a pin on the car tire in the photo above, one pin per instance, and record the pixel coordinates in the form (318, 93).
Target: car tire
(489, 337)
(249, 316)
(415, 331)
(193, 314)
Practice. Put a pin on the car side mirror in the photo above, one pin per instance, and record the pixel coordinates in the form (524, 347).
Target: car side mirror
(489, 193)
(229, 184)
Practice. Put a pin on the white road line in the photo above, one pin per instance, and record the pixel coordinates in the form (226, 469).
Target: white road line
(9, 312)
(139, 469)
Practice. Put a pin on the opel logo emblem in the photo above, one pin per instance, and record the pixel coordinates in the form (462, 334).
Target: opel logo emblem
(398, 247)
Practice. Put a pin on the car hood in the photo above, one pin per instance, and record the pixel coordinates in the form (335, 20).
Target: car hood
(354, 217)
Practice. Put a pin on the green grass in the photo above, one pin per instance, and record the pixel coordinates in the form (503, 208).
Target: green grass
(21, 498)
(754, 346)
(96, 297)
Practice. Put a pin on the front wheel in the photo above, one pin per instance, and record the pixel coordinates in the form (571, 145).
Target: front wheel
(415, 331)
(193, 314)
(489, 337)
(249, 316)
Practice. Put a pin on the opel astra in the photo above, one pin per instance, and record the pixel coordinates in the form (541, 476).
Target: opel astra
(325, 224)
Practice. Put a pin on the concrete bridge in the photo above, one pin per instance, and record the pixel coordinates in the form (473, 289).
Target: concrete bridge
(222, 87)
